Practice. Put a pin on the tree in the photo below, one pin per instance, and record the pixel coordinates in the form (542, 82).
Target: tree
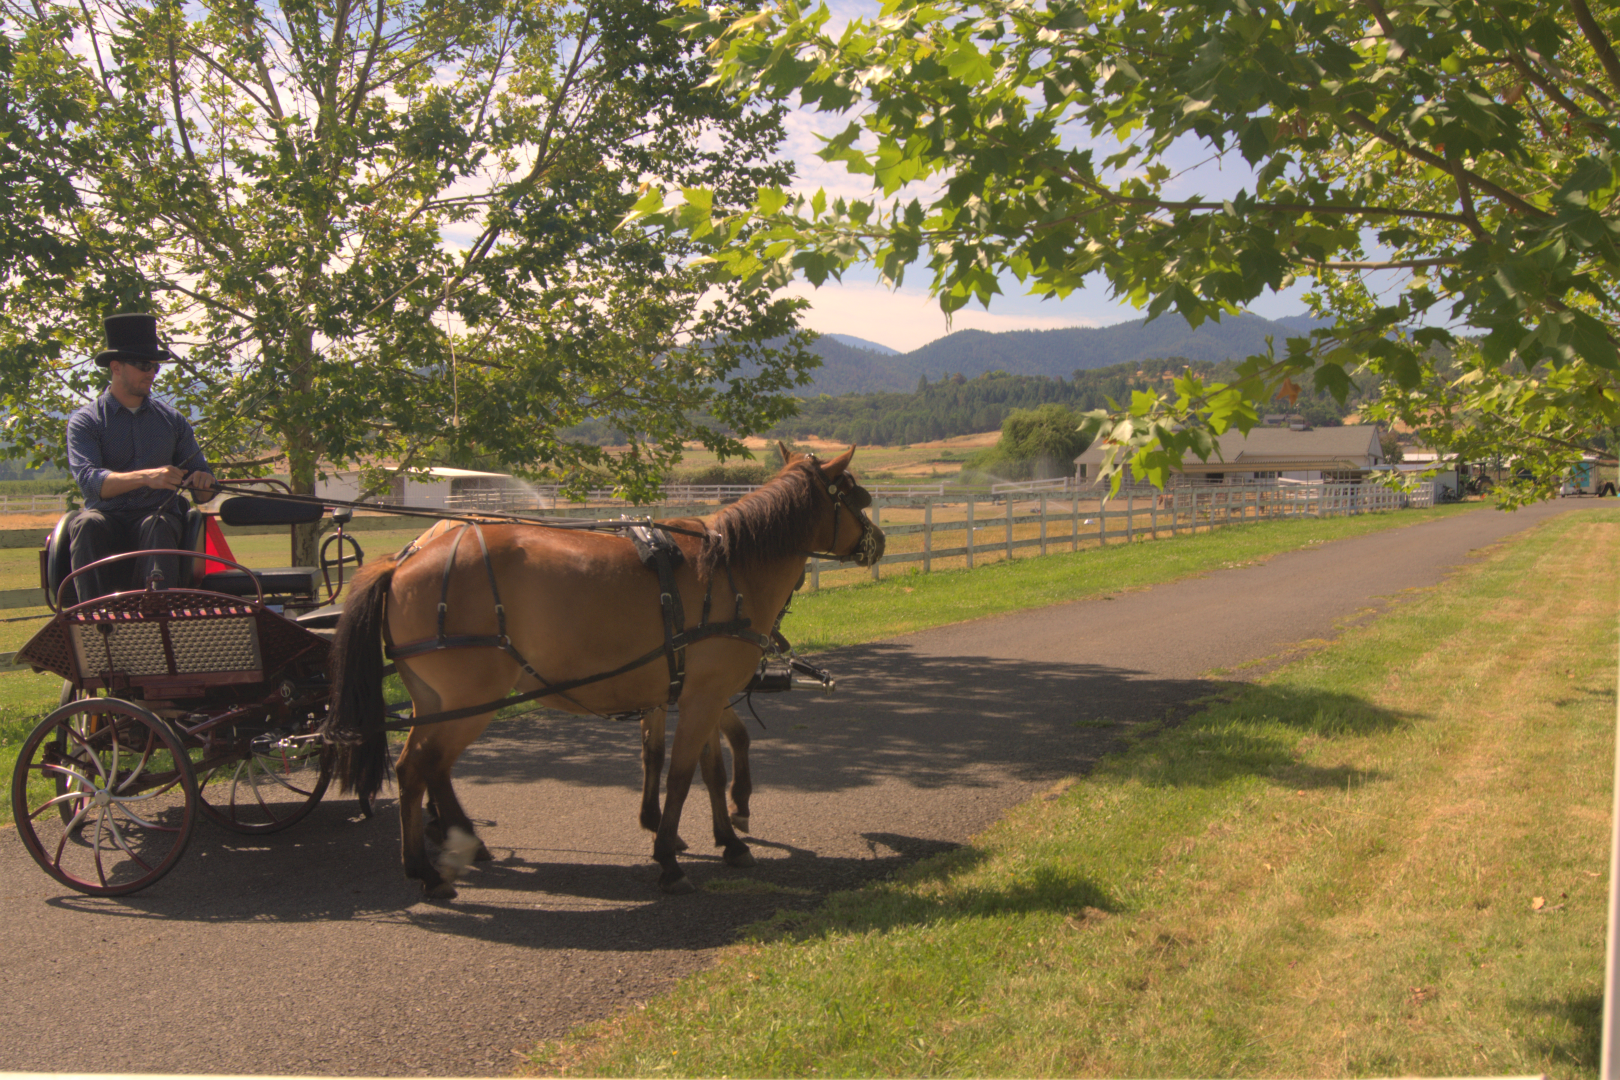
(1040, 442)
(382, 232)
(1444, 170)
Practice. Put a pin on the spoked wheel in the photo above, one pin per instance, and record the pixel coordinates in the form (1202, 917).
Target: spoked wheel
(104, 797)
(273, 782)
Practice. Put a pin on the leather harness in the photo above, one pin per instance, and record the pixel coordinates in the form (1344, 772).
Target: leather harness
(658, 551)
(655, 553)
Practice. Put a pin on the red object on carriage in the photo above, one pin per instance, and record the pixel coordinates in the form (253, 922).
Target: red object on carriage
(202, 700)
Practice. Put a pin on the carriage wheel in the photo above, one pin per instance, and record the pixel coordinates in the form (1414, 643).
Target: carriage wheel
(126, 781)
(270, 785)
(67, 782)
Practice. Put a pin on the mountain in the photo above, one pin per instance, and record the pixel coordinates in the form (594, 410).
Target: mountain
(861, 343)
(1054, 353)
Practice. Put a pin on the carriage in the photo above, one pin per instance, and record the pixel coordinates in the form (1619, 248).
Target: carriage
(225, 697)
(200, 698)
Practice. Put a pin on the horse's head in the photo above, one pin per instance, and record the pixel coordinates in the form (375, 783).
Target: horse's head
(850, 535)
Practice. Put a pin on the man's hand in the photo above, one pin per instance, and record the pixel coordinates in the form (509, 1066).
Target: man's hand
(202, 484)
(167, 478)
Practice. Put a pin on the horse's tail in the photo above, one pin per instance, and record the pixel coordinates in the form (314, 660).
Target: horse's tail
(354, 722)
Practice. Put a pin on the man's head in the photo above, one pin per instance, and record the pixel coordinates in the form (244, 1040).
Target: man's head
(133, 354)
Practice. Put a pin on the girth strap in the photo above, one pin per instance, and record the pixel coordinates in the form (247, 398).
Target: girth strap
(662, 554)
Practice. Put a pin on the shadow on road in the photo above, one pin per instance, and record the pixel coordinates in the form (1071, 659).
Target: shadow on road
(899, 722)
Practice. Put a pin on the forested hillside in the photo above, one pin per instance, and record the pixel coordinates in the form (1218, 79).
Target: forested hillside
(1055, 354)
(958, 405)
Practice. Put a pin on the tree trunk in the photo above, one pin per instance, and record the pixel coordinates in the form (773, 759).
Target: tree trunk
(302, 454)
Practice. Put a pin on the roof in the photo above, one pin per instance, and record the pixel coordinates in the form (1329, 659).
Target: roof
(436, 472)
(1354, 446)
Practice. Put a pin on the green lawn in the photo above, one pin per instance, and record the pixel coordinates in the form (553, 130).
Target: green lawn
(1388, 858)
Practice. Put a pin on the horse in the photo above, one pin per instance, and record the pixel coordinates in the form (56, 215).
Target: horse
(587, 623)
(652, 754)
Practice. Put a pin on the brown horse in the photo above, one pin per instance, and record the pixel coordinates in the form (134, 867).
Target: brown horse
(579, 604)
(652, 755)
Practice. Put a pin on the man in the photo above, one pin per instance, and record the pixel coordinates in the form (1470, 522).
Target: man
(130, 454)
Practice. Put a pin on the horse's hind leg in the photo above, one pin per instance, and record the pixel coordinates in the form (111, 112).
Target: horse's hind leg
(445, 813)
(424, 768)
(742, 786)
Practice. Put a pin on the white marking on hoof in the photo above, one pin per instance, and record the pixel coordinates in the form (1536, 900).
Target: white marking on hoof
(460, 846)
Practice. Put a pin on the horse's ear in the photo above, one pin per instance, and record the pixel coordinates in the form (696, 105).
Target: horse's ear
(837, 465)
(787, 455)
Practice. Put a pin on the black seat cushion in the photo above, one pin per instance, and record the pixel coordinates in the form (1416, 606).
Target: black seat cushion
(301, 580)
(262, 510)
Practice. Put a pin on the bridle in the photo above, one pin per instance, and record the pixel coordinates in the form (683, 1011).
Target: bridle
(864, 553)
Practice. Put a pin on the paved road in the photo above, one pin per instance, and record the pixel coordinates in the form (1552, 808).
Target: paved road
(308, 953)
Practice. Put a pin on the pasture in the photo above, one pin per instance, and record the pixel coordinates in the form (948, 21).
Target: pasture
(1386, 858)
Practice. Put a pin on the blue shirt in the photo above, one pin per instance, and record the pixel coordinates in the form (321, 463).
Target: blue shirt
(105, 437)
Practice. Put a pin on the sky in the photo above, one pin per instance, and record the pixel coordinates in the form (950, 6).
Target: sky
(907, 318)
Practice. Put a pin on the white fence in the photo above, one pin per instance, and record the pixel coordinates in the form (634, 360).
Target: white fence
(963, 529)
(1057, 483)
(33, 504)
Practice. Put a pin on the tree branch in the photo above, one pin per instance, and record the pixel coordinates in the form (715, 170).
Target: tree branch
(1598, 40)
(1430, 158)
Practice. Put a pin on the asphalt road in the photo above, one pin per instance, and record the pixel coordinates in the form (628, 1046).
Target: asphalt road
(308, 953)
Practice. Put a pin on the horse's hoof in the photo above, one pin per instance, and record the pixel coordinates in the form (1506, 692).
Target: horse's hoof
(442, 891)
(680, 845)
(678, 886)
(483, 855)
(741, 858)
(739, 822)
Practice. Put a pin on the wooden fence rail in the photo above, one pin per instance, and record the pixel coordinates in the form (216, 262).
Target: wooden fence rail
(959, 527)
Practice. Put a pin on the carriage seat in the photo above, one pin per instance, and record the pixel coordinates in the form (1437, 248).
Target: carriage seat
(56, 561)
(281, 581)
(245, 510)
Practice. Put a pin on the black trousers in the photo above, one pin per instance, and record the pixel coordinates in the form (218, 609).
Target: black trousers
(96, 534)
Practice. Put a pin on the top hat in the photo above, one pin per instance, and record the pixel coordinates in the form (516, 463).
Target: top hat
(132, 337)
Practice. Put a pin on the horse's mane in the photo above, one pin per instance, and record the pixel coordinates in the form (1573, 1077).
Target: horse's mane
(770, 523)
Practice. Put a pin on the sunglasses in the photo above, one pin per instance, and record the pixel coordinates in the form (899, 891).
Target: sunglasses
(144, 366)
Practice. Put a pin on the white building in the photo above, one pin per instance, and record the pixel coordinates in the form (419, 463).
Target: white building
(440, 488)
(1270, 453)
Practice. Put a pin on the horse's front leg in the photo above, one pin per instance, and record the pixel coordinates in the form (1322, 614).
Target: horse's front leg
(714, 778)
(696, 727)
(652, 765)
(742, 786)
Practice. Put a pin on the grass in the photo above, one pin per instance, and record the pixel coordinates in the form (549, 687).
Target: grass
(1387, 858)
(907, 602)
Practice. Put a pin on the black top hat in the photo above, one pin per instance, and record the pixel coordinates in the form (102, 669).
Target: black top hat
(132, 337)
